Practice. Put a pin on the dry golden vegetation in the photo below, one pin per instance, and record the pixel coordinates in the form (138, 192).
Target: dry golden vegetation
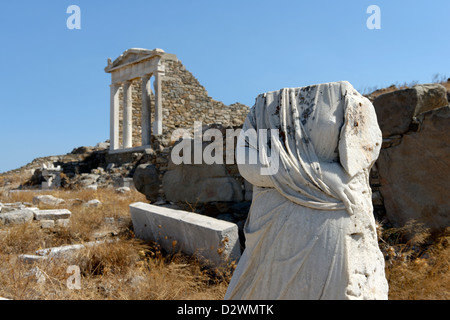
(417, 260)
(123, 268)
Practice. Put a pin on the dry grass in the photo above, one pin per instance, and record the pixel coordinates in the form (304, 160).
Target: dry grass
(123, 269)
(417, 264)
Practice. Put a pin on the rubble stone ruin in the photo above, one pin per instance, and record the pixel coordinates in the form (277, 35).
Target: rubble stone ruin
(52, 177)
(153, 94)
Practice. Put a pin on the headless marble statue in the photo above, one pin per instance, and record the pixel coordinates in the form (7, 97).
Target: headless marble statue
(311, 233)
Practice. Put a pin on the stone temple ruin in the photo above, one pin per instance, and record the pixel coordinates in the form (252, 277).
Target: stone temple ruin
(140, 110)
(152, 94)
(52, 176)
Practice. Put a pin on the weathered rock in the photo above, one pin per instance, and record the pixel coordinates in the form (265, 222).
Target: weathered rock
(76, 202)
(37, 274)
(62, 223)
(8, 207)
(47, 224)
(47, 200)
(52, 214)
(213, 241)
(123, 190)
(92, 187)
(395, 110)
(146, 181)
(200, 183)
(64, 252)
(30, 258)
(89, 179)
(52, 176)
(125, 182)
(414, 173)
(17, 216)
(93, 203)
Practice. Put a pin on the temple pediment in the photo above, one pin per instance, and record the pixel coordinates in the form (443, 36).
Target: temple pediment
(131, 56)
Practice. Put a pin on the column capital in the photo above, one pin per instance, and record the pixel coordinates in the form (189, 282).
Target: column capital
(160, 69)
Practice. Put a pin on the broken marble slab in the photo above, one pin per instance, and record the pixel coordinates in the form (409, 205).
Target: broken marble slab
(47, 200)
(62, 252)
(56, 214)
(214, 241)
(17, 216)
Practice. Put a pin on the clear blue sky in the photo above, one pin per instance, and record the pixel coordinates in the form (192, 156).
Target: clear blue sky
(55, 93)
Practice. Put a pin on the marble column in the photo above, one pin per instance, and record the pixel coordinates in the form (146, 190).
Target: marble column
(127, 116)
(146, 111)
(157, 124)
(114, 117)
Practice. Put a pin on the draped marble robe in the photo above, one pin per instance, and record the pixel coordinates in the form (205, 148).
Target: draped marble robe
(310, 233)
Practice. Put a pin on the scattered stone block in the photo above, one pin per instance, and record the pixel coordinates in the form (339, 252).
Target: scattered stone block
(60, 252)
(31, 258)
(63, 252)
(88, 179)
(17, 216)
(52, 176)
(126, 182)
(47, 200)
(102, 145)
(62, 223)
(123, 190)
(8, 207)
(93, 203)
(76, 202)
(91, 187)
(37, 273)
(52, 214)
(212, 240)
(47, 224)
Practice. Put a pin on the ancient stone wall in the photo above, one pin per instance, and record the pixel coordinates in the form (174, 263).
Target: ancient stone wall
(184, 101)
